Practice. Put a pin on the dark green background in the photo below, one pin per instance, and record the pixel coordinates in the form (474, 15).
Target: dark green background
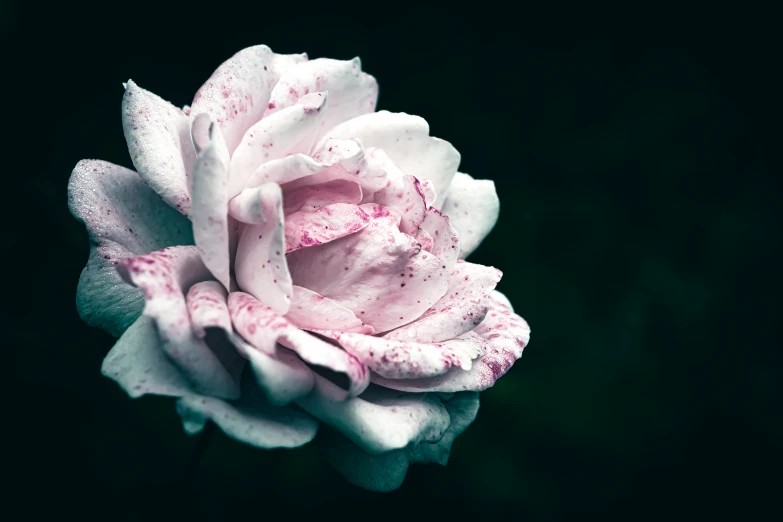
(639, 236)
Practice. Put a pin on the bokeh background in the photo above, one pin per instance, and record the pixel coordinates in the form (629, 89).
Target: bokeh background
(632, 150)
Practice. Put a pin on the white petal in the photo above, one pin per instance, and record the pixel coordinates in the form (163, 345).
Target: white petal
(260, 265)
(237, 93)
(351, 91)
(472, 206)
(158, 136)
(210, 202)
(286, 132)
(405, 139)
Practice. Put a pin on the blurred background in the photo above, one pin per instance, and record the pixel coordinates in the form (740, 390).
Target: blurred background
(632, 151)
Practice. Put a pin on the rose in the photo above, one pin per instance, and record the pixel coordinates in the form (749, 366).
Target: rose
(281, 247)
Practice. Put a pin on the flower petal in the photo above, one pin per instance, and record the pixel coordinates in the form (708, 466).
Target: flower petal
(312, 311)
(351, 91)
(328, 223)
(506, 335)
(164, 276)
(263, 328)
(381, 473)
(123, 217)
(248, 420)
(381, 420)
(379, 273)
(402, 194)
(237, 93)
(158, 136)
(405, 139)
(445, 239)
(283, 378)
(472, 206)
(210, 202)
(138, 364)
(289, 131)
(460, 310)
(463, 408)
(395, 359)
(313, 197)
(347, 154)
(260, 265)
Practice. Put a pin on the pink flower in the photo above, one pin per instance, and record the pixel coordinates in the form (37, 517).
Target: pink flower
(284, 255)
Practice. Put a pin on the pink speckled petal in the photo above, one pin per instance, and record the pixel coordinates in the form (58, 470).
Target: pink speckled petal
(505, 333)
(138, 364)
(309, 229)
(379, 273)
(380, 420)
(237, 93)
(264, 426)
(261, 267)
(158, 136)
(428, 189)
(395, 359)
(463, 408)
(260, 326)
(460, 310)
(440, 236)
(472, 206)
(286, 132)
(406, 140)
(382, 473)
(402, 193)
(164, 276)
(351, 91)
(207, 307)
(312, 311)
(124, 218)
(312, 197)
(210, 202)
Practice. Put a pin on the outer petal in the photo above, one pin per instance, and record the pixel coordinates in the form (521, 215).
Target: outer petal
(460, 310)
(158, 136)
(506, 335)
(472, 206)
(124, 217)
(462, 408)
(444, 238)
(308, 229)
(406, 140)
(164, 276)
(312, 311)
(263, 328)
(260, 265)
(409, 360)
(210, 202)
(382, 473)
(312, 197)
(138, 364)
(378, 422)
(351, 91)
(237, 93)
(289, 131)
(379, 273)
(250, 420)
